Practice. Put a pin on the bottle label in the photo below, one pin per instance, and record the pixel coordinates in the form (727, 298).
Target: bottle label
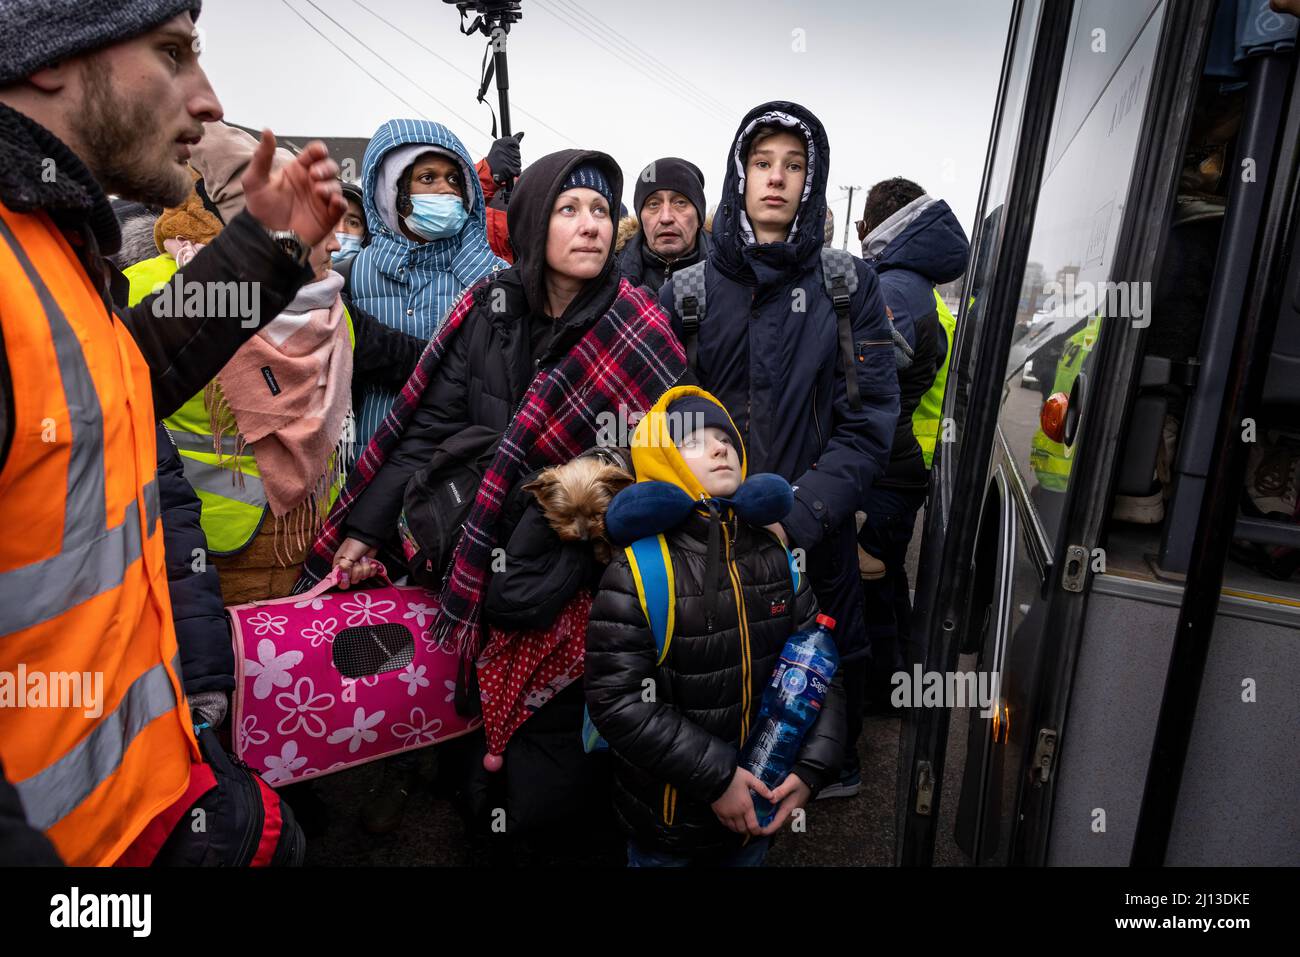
(793, 677)
(794, 680)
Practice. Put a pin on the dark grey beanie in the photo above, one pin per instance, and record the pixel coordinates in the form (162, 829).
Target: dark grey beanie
(674, 173)
(40, 32)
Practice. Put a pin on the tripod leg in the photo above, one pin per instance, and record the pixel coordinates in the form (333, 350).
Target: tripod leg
(502, 77)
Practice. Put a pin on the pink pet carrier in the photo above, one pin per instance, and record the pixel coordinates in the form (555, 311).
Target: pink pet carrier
(328, 680)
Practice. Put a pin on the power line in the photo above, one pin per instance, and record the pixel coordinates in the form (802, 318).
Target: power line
(670, 84)
(464, 73)
(687, 94)
(470, 124)
(350, 59)
(650, 57)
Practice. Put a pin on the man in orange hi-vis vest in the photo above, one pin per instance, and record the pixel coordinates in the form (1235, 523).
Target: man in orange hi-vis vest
(104, 97)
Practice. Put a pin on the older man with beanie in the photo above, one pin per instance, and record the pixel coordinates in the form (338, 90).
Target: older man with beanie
(670, 205)
(101, 97)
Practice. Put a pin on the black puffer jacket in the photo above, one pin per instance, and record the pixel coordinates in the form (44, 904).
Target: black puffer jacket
(543, 572)
(677, 754)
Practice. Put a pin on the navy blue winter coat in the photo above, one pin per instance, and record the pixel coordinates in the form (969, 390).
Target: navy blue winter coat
(778, 371)
(207, 658)
(925, 249)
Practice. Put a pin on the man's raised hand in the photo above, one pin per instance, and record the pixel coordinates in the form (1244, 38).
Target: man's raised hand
(303, 196)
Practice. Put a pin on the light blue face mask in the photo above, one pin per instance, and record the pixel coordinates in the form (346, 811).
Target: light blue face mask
(436, 215)
(351, 245)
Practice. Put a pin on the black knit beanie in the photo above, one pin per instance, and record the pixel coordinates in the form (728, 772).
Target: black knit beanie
(673, 173)
(589, 176)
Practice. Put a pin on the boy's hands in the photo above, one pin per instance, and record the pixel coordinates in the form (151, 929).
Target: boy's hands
(735, 809)
(790, 794)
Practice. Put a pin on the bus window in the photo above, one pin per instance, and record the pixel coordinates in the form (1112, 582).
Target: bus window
(988, 233)
(1069, 292)
(1102, 38)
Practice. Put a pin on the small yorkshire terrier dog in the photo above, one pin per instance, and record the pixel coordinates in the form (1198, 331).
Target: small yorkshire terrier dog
(574, 497)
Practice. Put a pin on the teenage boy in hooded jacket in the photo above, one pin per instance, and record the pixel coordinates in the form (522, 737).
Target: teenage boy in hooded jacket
(768, 349)
(679, 792)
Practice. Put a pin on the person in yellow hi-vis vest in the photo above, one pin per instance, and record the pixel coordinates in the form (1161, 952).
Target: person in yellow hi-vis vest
(83, 586)
(266, 445)
(1051, 460)
(914, 242)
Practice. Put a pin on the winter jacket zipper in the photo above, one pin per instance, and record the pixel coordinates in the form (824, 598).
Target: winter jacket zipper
(252, 836)
(746, 662)
(670, 804)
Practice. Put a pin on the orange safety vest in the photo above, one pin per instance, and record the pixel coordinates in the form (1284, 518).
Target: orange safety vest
(83, 584)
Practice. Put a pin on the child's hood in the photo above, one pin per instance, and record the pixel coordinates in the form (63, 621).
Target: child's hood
(655, 456)
(666, 491)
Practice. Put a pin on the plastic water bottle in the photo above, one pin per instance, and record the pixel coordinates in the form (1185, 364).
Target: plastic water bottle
(791, 703)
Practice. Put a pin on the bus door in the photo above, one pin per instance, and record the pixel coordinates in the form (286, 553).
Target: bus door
(1065, 291)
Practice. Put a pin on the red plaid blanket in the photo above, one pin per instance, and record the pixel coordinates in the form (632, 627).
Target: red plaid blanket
(622, 364)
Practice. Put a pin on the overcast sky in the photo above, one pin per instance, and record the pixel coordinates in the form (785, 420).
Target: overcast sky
(904, 87)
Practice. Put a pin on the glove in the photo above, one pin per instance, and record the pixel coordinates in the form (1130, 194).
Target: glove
(504, 158)
(211, 706)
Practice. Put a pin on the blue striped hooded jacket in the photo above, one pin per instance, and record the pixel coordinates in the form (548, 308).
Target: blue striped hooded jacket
(407, 285)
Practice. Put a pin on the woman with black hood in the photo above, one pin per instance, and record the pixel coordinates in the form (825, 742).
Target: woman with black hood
(533, 360)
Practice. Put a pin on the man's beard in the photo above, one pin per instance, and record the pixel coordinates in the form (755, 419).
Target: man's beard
(114, 137)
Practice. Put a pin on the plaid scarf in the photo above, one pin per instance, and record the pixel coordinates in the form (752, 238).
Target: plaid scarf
(623, 363)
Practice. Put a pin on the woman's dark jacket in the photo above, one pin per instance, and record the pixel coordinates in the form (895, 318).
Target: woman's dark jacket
(676, 754)
(501, 346)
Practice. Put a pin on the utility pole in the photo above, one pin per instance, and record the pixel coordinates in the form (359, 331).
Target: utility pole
(848, 214)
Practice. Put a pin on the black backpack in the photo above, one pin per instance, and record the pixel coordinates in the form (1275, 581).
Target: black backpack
(239, 821)
(839, 279)
(439, 496)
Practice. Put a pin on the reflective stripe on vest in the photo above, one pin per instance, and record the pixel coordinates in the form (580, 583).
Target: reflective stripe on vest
(925, 420)
(93, 558)
(54, 792)
(102, 742)
(51, 587)
(226, 483)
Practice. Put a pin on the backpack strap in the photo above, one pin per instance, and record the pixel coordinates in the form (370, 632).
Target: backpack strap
(691, 301)
(840, 277)
(652, 571)
(796, 576)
